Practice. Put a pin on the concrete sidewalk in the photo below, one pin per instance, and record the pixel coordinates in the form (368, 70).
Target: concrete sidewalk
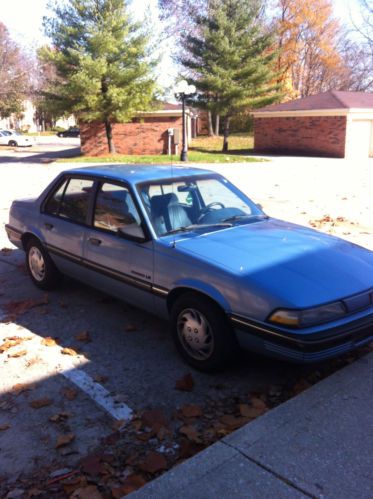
(319, 444)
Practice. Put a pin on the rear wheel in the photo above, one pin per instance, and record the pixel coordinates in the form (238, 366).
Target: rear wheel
(201, 333)
(12, 143)
(43, 272)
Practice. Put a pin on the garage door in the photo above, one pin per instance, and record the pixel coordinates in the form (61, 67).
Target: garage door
(361, 138)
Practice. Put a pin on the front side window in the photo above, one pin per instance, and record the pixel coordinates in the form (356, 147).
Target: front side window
(114, 208)
(71, 200)
(196, 203)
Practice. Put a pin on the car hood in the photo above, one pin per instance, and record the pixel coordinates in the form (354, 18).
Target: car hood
(300, 267)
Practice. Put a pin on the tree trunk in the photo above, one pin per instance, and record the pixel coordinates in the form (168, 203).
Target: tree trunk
(217, 124)
(226, 133)
(109, 136)
(211, 129)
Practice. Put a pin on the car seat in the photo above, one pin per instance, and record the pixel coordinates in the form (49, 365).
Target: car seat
(167, 214)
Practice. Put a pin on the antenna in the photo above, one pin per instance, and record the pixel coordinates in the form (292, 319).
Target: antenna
(172, 185)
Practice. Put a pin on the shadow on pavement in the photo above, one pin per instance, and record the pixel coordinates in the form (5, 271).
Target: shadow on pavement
(40, 157)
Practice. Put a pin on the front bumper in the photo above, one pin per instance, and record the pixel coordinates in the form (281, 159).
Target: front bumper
(294, 346)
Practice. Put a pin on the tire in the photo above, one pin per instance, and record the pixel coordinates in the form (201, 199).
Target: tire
(43, 272)
(12, 143)
(208, 326)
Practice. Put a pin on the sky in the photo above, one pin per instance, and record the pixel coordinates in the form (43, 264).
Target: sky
(23, 18)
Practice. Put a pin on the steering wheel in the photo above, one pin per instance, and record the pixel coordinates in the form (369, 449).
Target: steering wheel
(209, 208)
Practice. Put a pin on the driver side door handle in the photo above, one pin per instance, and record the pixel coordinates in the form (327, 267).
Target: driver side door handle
(94, 241)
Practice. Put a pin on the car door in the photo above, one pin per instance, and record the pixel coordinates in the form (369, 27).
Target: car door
(64, 223)
(118, 263)
(3, 138)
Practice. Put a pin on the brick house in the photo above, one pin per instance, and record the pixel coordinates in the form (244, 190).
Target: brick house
(336, 124)
(147, 133)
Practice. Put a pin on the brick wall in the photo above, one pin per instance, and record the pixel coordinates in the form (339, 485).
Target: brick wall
(148, 137)
(323, 135)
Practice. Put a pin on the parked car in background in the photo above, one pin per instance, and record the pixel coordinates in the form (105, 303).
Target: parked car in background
(14, 139)
(72, 131)
(190, 246)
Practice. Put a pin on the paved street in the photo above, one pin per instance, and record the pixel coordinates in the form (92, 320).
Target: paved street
(125, 360)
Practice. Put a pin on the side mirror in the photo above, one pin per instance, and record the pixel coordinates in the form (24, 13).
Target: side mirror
(133, 231)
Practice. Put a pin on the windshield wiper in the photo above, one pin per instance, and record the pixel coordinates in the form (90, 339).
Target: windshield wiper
(234, 218)
(187, 228)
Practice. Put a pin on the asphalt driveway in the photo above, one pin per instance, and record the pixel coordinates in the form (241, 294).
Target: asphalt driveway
(81, 363)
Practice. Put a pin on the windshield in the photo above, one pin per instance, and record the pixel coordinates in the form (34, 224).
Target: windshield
(196, 203)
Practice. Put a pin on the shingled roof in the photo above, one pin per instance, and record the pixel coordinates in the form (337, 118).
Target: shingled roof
(327, 100)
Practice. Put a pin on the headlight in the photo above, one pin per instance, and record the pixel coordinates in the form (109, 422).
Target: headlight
(308, 317)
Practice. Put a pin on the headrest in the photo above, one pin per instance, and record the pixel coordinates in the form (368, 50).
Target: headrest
(160, 203)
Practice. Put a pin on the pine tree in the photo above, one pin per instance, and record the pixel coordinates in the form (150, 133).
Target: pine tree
(103, 72)
(230, 59)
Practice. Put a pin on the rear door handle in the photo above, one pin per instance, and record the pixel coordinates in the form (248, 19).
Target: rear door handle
(48, 226)
(94, 241)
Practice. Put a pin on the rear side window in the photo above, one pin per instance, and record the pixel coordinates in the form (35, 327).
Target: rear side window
(71, 200)
(53, 204)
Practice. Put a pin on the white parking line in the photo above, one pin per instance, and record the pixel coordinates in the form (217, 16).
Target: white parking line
(99, 394)
(53, 362)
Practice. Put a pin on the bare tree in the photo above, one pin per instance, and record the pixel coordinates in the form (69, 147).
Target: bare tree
(14, 75)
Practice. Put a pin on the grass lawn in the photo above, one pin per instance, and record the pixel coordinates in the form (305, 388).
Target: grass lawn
(38, 134)
(202, 150)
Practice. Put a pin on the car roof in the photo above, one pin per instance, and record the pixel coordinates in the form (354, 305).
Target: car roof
(136, 174)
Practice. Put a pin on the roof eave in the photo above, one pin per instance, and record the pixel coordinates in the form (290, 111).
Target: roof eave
(312, 112)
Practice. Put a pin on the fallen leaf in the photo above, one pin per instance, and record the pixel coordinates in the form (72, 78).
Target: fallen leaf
(83, 336)
(6, 251)
(15, 355)
(191, 411)
(154, 419)
(185, 384)
(100, 378)
(10, 342)
(163, 433)
(92, 464)
(4, 427)
(300, 386)
(69, 351)
(251, 412)
(63, 440)
(153, 462)
(232, 422)
(21, 387)
(189, 448)
(70, 393)
(130, 328)
(258, 403)
(38, 403)
(61, 416)
(191, 433)
(119, 424)
(49, 341)
(89, 492)
(20, 307)
(34, 492)
(132, 483)
(73, 483)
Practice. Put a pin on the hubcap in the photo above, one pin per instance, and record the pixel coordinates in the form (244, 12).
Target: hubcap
(195, 334)
(36, 263)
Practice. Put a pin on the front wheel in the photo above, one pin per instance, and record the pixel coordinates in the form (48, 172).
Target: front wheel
(201, 333)
(43, 272)
(12, 143)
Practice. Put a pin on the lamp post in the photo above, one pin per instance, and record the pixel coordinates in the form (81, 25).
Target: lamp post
(181, 92)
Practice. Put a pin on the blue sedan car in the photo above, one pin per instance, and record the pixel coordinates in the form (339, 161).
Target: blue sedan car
(190, 246)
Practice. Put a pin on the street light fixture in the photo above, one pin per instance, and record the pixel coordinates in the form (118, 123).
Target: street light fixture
(181, 92)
